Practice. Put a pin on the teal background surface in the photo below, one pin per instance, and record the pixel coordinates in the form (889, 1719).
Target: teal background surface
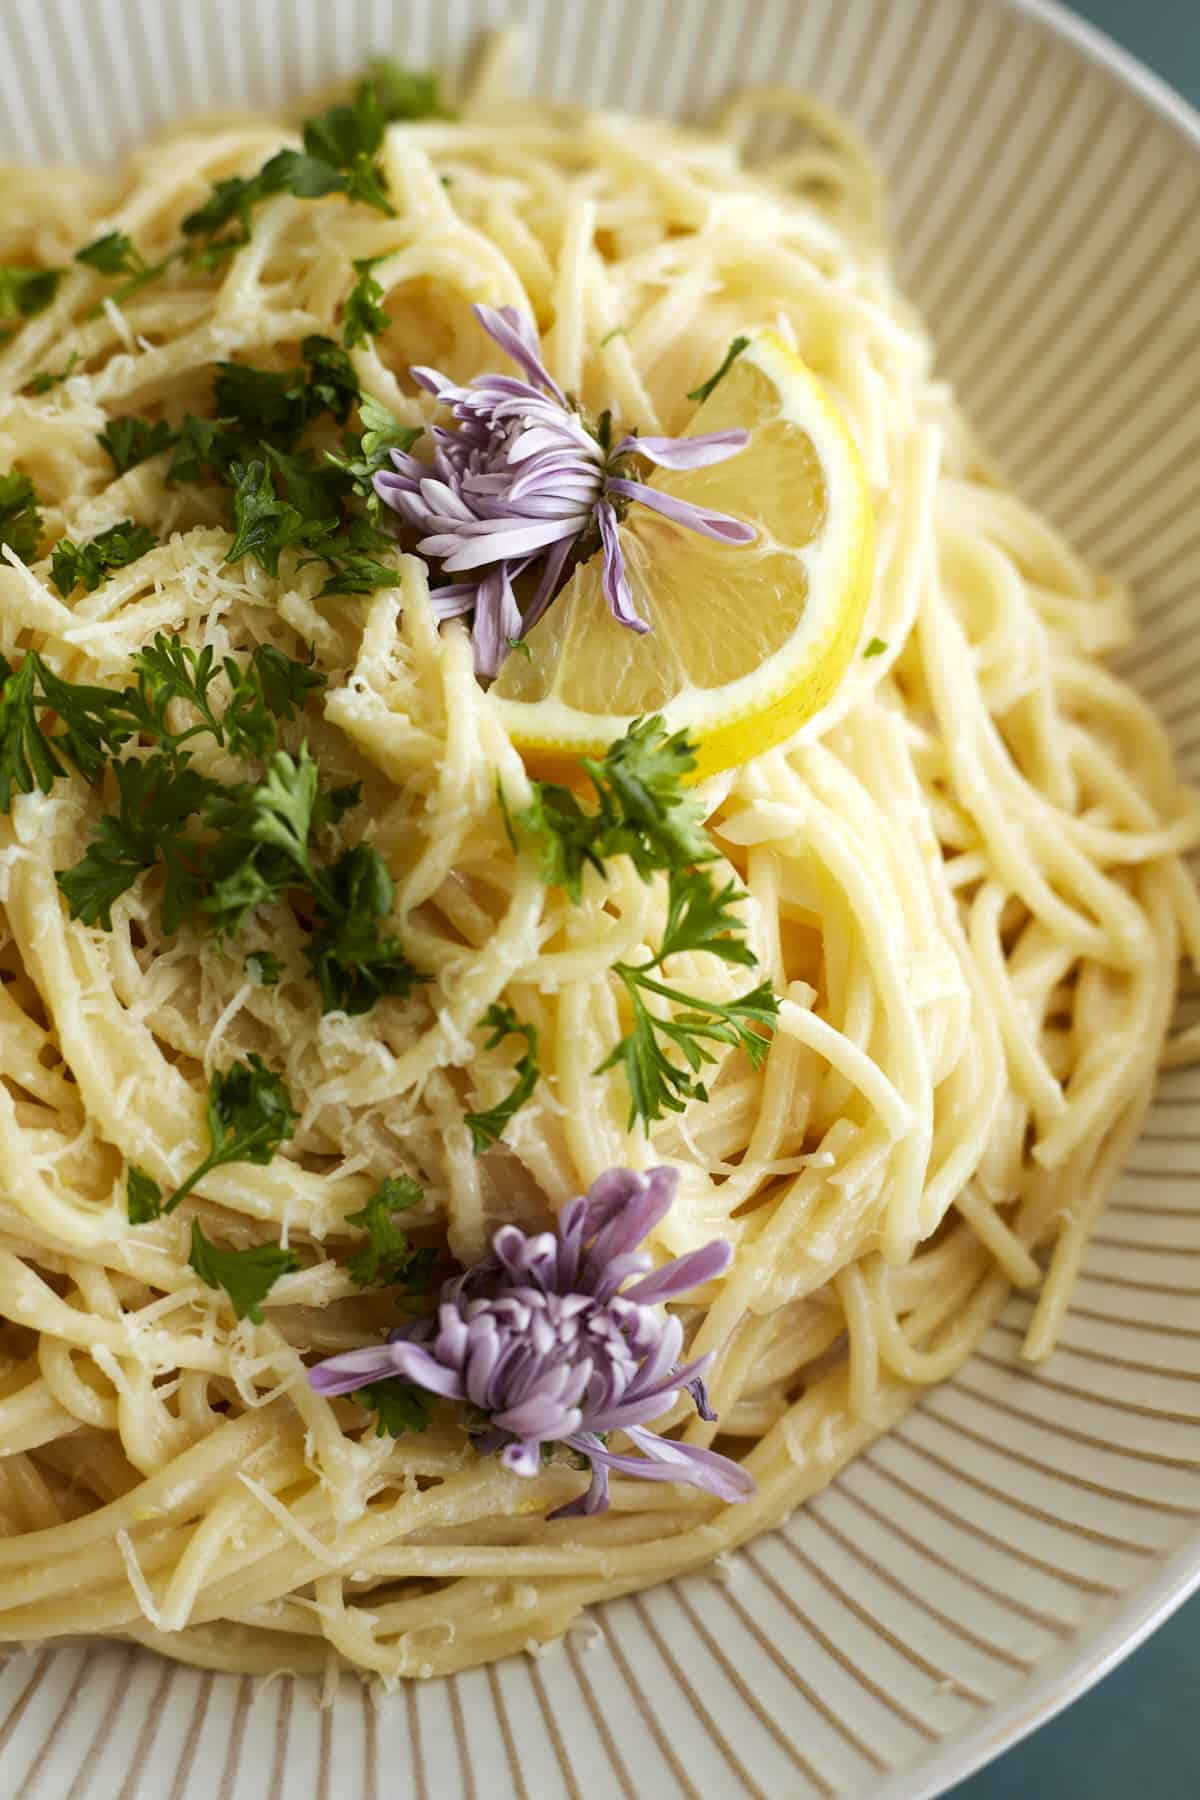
(1137, 1735)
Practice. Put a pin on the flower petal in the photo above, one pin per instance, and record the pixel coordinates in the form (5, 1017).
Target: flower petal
(687, 452)
(352, 1369)
(518, 338)
(675, 1278)
(614, 580)
(708, 523)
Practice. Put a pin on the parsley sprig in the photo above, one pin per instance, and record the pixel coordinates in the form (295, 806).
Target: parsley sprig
(20, 519)
(699, 917)
(364, 316)
(489, 1127)
(642, 810)
(90, 563)
(340, 156)
(116, 254)
(284, 495)
(249, 1115)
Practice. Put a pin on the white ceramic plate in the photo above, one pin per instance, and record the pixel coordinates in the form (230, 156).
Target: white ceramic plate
(1019, 1532)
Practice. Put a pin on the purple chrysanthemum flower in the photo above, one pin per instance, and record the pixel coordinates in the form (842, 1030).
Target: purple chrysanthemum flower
(546, 1343)
(519, 477)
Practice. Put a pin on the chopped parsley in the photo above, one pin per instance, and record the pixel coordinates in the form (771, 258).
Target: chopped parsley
(489, 1127)
(405, 93)
(247, 1276)
(156, 799)
(398, 1405)
(731, 355)
(249, 1115)
(116, 254)
(642, 811)
(363, 454)
(25, 292)
(20, 520)
(364, 316)
(876, 647)
(263, 967)
(340, 156)
(130, 440)
(265, 525)
(27, 758)
(89, 564)
(387, 1256)
(224, 848)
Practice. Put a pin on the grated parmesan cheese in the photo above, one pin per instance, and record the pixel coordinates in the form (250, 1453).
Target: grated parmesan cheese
(138, 1582)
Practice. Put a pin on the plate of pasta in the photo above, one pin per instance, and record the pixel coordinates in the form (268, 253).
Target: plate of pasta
(598, 947)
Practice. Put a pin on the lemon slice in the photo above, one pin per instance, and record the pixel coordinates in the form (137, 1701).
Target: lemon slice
(747, 642)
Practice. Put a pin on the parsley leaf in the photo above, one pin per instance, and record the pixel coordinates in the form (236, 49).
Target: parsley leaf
(20, 520)
(247, 1276)
(643, 811)
(130, 440)
(357, 574)
(354, 963)
(488, 1127)
(264, 967)
(116, 254)
(90, 563)
(156, 798)
(24, 292)
(656, 1083)
(386, 1256)
(399, 1406)
(94, 720)
(363, 316)
(234, 197)
(332, 383)
(111, 254)
(876, 647)
(205, 446)
(26, 758)
(339, 157)
(363, 455)
(699, 918)
(249, 1115)
(143, 1196)
(731, 355)
(264, 525)
(405, 93)
(285, 684)
(168, 669)
(312, 488)
(262, 403)
(347, 139)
